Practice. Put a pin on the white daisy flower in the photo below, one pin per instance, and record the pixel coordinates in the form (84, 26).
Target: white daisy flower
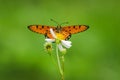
(66, 44)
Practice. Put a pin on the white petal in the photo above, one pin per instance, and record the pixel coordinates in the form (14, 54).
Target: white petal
(52, 32)
(66, 44)
(60, 47)
(50, 40)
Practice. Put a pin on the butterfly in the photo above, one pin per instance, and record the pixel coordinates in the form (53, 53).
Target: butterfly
(66, 31)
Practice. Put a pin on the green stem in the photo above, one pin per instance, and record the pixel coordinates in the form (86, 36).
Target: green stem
(62, 58)
(59, 64)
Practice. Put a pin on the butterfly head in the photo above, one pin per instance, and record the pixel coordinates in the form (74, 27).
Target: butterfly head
(58, 29)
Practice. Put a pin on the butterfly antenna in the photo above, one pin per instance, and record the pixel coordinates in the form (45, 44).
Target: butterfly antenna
(58, 23)
(55, 21)
(64, 23)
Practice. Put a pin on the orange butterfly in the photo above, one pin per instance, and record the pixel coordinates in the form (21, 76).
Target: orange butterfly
(66, 31)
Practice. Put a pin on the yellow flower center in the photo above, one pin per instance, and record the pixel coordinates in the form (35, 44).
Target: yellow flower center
(60, 36)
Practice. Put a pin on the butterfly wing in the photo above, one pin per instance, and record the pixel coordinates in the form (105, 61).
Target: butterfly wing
(75, 29)
(41, 29)
(68, 30)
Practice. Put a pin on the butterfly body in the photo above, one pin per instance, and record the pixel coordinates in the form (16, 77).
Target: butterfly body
(58, 28)
(63, 32)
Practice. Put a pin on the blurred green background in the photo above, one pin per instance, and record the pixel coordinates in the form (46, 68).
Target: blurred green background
(94, 55)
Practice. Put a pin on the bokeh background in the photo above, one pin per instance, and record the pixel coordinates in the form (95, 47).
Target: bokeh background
(94, 55)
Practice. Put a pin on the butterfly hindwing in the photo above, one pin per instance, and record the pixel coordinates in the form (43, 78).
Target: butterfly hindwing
(41, 29)
(66, 34)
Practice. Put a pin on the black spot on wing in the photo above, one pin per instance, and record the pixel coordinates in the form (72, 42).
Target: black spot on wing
(68, 37)
(69, 27)
(36, 26)
(87, 26)
(79, 26)
(42, 26)
(66, 31)
(73, 26)
(46, 36)
(29, 26)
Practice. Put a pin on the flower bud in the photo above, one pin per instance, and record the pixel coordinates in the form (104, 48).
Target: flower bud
(48, 47)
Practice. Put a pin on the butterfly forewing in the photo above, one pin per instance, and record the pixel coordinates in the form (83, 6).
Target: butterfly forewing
(41, 29)
(75, 29)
